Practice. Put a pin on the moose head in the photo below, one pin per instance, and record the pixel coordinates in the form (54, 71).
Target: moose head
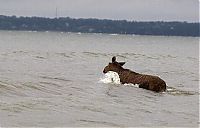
(114, 66)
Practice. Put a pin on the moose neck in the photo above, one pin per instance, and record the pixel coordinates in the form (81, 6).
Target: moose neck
(119, 70)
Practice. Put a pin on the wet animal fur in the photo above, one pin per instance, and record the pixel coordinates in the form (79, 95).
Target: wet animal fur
(148, 82)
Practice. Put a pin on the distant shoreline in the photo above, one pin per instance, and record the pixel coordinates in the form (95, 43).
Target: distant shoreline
(67, 24)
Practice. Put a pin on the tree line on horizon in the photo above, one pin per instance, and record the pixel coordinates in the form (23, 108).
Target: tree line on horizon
(67, 24)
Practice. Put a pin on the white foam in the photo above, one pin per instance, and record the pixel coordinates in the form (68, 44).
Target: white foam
(170, 89)
(110, 77)
(114, 34)
(132, 85)
(113, 78)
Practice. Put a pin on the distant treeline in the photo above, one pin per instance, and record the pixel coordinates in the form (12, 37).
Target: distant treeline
(67, 24)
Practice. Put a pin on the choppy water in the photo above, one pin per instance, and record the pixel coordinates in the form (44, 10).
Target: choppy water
(54, 79)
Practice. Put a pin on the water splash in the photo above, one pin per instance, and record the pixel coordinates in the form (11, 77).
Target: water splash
(132, 85)
(110, 77)
(113, 78)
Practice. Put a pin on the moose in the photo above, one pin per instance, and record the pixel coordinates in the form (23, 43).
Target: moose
(148, 82)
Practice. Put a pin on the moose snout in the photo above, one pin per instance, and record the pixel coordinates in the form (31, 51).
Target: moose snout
(104, 71)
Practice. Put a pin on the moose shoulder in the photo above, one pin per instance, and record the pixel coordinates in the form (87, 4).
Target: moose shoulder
(149, 82)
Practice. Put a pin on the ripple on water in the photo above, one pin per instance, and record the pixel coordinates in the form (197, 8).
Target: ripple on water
(19, 106)
(96, 122)
(178, 92)
(11, 89)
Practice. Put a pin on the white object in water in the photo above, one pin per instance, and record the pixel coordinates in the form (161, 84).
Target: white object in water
(111, 77)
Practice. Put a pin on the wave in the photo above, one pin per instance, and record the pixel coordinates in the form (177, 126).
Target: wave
(177, 92)
(86, 54)
(114, 34)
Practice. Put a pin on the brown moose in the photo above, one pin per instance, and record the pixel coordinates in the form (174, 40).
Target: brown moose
(148, 82)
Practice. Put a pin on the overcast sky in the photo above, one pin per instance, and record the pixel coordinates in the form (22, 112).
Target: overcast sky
(139, 10)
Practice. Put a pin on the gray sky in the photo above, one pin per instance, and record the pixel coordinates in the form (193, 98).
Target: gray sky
(139, 10)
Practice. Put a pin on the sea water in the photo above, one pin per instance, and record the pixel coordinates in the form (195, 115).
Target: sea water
(52, 79)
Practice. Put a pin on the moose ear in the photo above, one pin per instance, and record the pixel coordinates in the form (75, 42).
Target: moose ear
(121, 63)
(113, 59)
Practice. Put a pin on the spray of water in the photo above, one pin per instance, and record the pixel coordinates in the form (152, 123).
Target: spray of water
(110, 77)
(113, 78)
